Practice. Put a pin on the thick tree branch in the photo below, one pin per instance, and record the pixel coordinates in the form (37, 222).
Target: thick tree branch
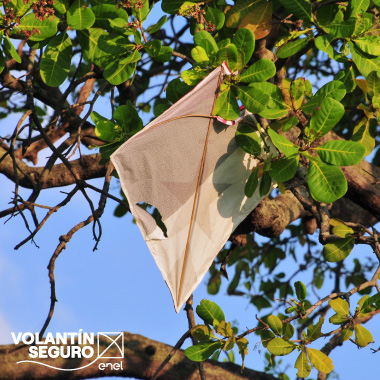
(87, 167)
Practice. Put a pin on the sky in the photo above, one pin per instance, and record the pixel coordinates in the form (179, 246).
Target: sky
(118, 287)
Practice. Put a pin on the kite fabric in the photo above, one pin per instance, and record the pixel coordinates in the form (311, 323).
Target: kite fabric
(187, 165)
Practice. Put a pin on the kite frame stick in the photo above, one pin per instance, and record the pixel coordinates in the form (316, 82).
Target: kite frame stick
(198, 184)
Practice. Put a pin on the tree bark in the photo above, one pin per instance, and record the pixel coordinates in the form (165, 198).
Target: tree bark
(142, 357)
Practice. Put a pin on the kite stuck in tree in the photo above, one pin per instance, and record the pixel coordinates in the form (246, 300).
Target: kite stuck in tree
(186, 164)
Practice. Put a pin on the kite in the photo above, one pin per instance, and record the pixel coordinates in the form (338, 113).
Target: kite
(186, 164)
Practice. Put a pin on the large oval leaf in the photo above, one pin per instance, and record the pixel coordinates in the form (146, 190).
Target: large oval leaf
(207, 41)
(319, 360)
(284, 169)
(112, 44)
(275, 324)
(56, 60)
(364, 133)
(247, 139)
(326, 182)
(236, 13)
(253, 99)
(47, 28)
(80, 16)
(280, 347)
(259, 20)
(260, 71)
(244, 40)
(325, 118)
(300, 8)
(202, 351)
(339, 249)
(283, 144)
(119, 71)
(362, 336)
(292, 47)
(303, 366)
(341, 152)
(209, 311)
(369, 44)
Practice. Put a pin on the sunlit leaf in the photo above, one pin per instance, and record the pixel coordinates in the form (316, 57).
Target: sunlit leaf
(280, 347)
(319, 360)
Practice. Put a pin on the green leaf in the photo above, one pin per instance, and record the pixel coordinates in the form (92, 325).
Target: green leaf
(207, 41)
(347, 77)
(10, 50)
(340, 306)
(80, 16)
(228, 54)
(293, 47)
(325, 118)
(338, 319)
(283, 144)
(215, 16)
(253, 99)
(114, 44)
(209, 312)
(97, 117)
(338, 250)
(164, 55)
(300, 289)
(118, 72)
(128, 118)
(287, 331)
(275, 324)
(364, 62)
(158, 25)
(242, 344)
(326, 182)
(342, 230)
(370, 301)
(324, 43)
(265, 184)
(142, 11)
(319, 360)
(120, 26)
(280, 347)
(176, 89)
(61, 6)
(334, 89)
(202, 333)
(362, 336)
(314, 331)
(303, 366)
(56, 60)
(171, 6)
(47, 28)
(369, 44)
(202, 351)
(106, 130)
(199, 55)
(160, 106)
(341, 152)
(276, 107)
(260, 71)
(300, 8)
(2, 62)
(226, 106)
(346, 334)
(341, 29)
(244, 40)
(284, 169)
(252, 183)
(193, 77)
(247, 139)
(88, 40)
(364, 133)
(236, 13)
(106, 12)
(266, 336)
(373, 83)
(357, 6)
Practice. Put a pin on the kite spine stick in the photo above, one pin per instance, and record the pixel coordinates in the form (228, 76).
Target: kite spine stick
(198, 185)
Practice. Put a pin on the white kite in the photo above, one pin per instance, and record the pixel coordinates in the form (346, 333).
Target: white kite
(187, 164)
